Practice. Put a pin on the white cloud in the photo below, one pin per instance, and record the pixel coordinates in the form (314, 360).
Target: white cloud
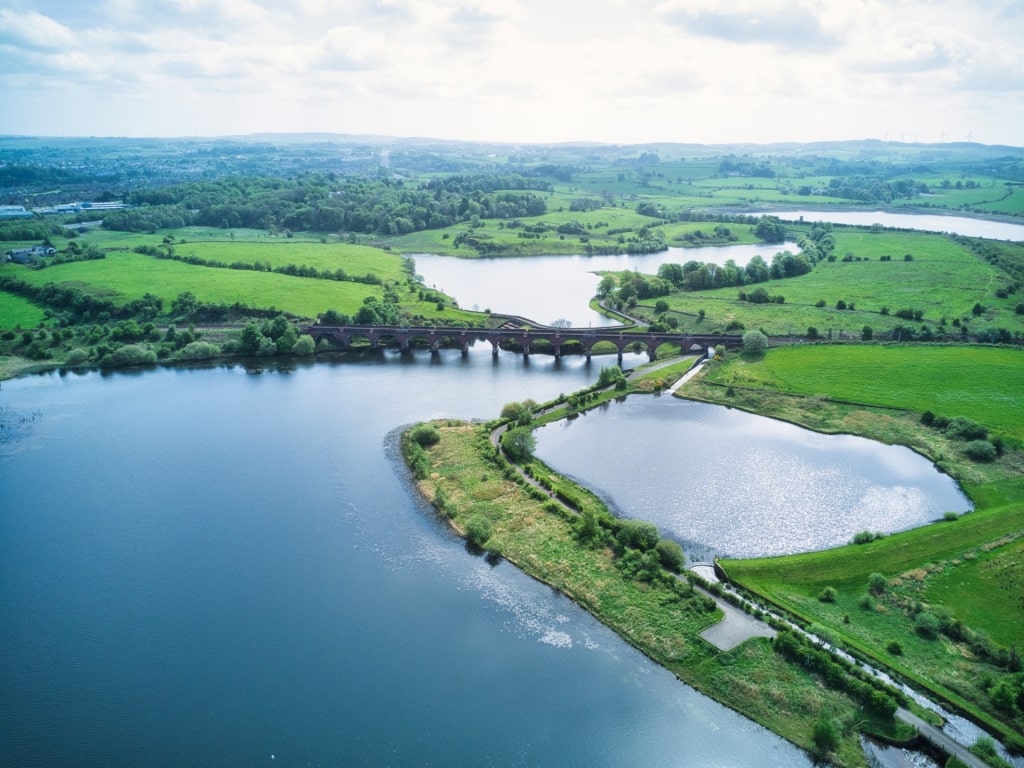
(521, 70)
(33, 31)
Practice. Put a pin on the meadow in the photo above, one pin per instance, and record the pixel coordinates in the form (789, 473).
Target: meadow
(16, 312)
(124, 275)
(942, 279)
(982, 383)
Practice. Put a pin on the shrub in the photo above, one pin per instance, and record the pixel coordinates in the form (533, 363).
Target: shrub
(828, 595)
(199, 350)
(980, 450)
(133, 354)
(478, 530)
(671, 554)
(960, 428)
(77, 356)
(927, 625)
(304, 346)
(894, 647)
(863, 537)
(825, 736)
(754, 343)
(425, 434)
(877, 583)
(638, 534)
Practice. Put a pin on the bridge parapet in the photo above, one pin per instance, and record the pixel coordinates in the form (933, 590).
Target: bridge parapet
(435, 336)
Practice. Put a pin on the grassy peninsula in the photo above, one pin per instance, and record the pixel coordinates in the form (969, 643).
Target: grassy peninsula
(561, 534)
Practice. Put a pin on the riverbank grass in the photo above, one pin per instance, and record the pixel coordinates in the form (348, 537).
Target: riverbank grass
(476, 491)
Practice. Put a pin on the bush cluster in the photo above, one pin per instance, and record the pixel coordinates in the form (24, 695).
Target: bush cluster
(837, 673)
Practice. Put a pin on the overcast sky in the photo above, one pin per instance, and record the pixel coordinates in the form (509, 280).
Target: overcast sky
(622, 71)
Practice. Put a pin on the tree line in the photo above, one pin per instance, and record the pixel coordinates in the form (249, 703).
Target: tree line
(318, 202)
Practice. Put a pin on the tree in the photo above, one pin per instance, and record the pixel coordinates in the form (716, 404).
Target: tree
(866, 333)
(607, 286)
(877, 583)
(770, 229)
(754, 343)
(251, 338)
(519, 443)
(825, 736)
(521, 413)
(286, 341)
(671, 555)
(478, 530)
(304, 346)
(610, 375)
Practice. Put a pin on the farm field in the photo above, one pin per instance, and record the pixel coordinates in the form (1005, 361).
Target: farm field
(16, 312)
(943, 280)
(124, 276)
(984, 384)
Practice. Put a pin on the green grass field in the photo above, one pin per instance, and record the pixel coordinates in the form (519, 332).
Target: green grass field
(944, 280)
(985, 384)
(124, 276)
(16, 312)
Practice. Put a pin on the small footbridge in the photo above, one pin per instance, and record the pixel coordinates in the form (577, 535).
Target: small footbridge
(557, 341)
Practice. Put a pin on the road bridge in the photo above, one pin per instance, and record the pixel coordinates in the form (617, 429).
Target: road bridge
(556, 340)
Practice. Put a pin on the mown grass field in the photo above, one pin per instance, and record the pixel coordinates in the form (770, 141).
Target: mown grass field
(16, 312)
(944, 280)
(601, 232)
(355, 260)
(982, 383)
(970, 567)
(123, 276)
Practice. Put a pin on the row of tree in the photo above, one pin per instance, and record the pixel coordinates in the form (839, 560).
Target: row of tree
(316, 202)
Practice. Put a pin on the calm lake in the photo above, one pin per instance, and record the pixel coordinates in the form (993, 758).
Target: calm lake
(215, 567)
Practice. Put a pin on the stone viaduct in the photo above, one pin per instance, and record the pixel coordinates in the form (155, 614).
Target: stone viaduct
(434, 337)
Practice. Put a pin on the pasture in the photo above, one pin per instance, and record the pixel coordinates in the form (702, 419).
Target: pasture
(942, 279)
(16, 312)
(982, 383)
(125, 275)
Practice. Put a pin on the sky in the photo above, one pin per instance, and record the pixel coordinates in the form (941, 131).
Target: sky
(518, 71)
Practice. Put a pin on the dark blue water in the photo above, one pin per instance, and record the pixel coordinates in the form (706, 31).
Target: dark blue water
(222, 568)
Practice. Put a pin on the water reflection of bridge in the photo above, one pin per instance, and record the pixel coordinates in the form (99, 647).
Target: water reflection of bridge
(557, 340)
